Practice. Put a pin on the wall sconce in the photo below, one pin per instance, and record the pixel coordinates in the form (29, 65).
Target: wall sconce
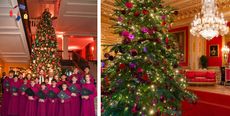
(92, 48)
(225, 51)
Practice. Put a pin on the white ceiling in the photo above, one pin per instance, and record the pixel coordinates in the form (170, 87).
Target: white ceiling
(77, 17)
(13, 45)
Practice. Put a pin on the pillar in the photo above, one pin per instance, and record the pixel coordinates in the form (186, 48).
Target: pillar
(65, 48)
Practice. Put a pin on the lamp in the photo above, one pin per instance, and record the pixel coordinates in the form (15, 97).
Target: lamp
(225, 51)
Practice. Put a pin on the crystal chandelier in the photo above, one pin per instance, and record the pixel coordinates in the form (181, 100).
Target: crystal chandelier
(209, 23)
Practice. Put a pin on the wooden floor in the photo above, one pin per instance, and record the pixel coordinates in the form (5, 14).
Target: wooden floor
(218, 89)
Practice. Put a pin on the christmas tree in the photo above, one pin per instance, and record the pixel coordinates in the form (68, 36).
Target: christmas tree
(44, 48)
(142, 74)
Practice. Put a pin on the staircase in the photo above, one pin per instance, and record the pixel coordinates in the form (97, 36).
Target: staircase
(77, 61)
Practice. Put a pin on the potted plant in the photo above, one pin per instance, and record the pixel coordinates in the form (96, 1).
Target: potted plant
(204, 61)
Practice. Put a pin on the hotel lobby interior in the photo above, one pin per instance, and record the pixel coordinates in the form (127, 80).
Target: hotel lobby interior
(202, 33)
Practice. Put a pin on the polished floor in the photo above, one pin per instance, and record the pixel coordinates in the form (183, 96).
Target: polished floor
(218, 89)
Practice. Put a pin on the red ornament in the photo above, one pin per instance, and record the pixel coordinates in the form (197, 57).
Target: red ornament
(140, 70)
(166, 40)
(106, 55)
(163, 23)
(145, 77)
(106, 80)
(133, 52)
(137, 13)
(129, 5)
(134, 109)
(145, 12)
(122, 66)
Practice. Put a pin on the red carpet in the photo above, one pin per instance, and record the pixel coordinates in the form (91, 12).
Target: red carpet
(208, 104)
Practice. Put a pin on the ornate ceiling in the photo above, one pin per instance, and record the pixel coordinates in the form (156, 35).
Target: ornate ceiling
(187, 9)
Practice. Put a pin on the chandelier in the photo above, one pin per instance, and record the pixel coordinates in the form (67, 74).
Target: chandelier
(209, 23)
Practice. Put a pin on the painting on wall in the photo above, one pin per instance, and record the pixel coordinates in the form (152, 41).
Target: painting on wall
(214, 50)
(180, 39)
(180, 35)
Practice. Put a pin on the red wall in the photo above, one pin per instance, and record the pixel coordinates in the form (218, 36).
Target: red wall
(214, 61)
(83, 53)
(93, 52)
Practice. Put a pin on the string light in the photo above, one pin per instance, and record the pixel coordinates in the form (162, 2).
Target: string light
(151, 112)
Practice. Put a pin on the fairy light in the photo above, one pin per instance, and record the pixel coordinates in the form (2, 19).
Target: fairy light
(151, 112)
(177, 71)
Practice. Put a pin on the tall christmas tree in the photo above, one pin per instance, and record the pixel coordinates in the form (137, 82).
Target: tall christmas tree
(143, 78)
(44, 48)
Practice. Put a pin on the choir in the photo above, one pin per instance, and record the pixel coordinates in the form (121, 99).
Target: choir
(49, 96)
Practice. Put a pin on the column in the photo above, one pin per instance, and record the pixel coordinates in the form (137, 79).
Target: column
(65, 48)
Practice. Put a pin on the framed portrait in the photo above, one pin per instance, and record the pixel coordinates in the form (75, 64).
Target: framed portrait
(180, 35)
(214, 50)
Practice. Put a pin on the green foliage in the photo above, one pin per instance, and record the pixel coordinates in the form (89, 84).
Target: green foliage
(44, 48)
(204, 61)
(142, 77)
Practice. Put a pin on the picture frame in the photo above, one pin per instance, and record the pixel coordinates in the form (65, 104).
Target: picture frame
(214, 50)
(181, 37)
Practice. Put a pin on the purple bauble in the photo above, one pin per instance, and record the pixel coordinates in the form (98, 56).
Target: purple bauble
(145, 49)
(131, 36)
(132, 65)
(163, 17)
(102, 64)
(144, 30)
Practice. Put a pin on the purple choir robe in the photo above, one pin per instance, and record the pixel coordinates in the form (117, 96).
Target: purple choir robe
(31, 105)
(52, 104)
(41, 110)
(13, 109)
(76, 102)
(22, 101)
(6, 95)
(88, 108)
(64, 108)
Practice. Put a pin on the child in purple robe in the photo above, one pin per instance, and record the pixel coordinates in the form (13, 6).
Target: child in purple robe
(14, 97)
(88, 108)
(77, 74)
(23, 97)
(87, 72)
(52, 105)
(64, 99)
(31, 104)
(63, 80)
(28, 76)
(75, 97)
(6, 93)
(42, 100)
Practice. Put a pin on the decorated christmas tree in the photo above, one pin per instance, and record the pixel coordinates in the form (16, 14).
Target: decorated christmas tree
(44, 48)
(142, 73)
